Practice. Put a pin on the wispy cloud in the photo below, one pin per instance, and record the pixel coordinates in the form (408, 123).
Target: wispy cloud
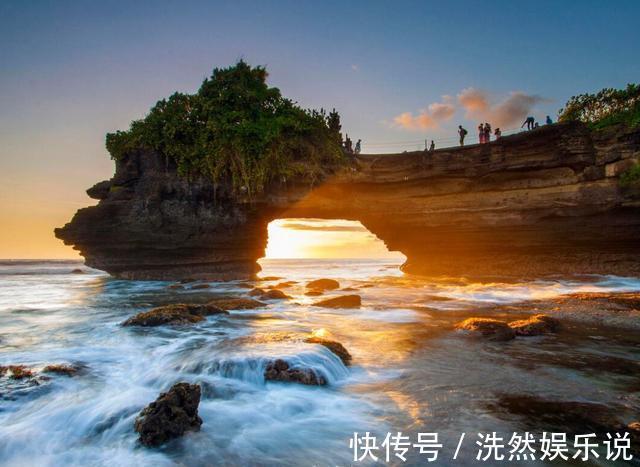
(431, 117)
(508, 112)
(322, 226)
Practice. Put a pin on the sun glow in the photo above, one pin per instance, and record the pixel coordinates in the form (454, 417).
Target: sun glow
(320, 238)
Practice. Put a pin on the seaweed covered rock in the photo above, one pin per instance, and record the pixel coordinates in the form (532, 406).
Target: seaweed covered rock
(279, 370)
(173, 314)
(323, 284)
(343, 301)
(535, 325)
(488, 328)
(170, 416)
(335, 347)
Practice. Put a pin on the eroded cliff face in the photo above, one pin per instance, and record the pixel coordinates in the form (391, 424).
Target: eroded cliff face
(537, 203)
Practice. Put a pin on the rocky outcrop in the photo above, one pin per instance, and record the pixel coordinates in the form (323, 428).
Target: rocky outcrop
(170, 416)
(236, 303)
(279, 370)
(342, 301)
(174, 314)
(536, 203)
(336, 347)
(536, 325)
(323, 284)
(488, 328)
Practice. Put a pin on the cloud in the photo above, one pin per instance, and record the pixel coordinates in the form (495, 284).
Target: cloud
(355, 67)
(509, 112)
(323, 227)
(431, 117)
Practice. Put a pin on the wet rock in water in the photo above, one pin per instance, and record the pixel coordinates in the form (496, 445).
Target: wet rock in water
(175, 287)
(16, 371)
(348, 289)
(536, 325)
(200, 286)
(634, 426)
(274, 294)
(244, 285)
(314, 293)
(187, 280)
(323, 284)
(279, 370)
(236, 303)
(256, 292)
(270, 278)
(61, 369)
(438, 298)
(77, 271)
(173, 314)
(283, 285)
(491, 329)
(335, 347)
(170, 416)
(343, 301)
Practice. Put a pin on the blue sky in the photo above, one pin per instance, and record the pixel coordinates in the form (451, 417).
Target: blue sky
(72, 71)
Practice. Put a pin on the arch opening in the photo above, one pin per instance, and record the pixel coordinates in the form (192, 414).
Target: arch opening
(313, 238)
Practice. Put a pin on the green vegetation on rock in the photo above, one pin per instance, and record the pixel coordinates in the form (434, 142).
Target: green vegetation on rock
(631, 177)
(237, 129)
(605, 108)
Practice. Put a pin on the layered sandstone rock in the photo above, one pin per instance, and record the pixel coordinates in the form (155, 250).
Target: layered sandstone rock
(542, 202)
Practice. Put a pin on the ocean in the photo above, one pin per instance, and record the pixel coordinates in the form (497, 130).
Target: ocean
(411, 372)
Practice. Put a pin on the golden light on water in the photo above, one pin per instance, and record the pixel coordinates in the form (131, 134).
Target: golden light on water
(321, 238)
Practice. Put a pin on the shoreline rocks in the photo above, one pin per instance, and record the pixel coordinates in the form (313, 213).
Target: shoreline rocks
(336, 347)
(342, 301)
(170, 416)
(489, 328)
(280, 370)
(236, 303)
(174, 314)
(536, 325)
(322, 285)
(61, 369)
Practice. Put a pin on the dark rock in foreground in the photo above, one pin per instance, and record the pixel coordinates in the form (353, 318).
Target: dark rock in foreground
(173, 314)
(200, 286)
(323, 284)
(77, 271)
(279, 370)
(491, 329)
(171, 415)
(536, 325)
(343, 301)
(16, 371)
(335, 347)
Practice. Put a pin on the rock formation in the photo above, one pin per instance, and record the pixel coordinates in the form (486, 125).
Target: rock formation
(542, 202)
(171, 415)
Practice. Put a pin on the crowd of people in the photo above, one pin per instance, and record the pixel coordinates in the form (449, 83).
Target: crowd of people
(484, 130)
(484, 135)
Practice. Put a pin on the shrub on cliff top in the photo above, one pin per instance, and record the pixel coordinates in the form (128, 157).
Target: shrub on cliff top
(236, 128)
(607, 107)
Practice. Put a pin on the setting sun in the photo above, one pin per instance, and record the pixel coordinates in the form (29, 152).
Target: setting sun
(320, 238)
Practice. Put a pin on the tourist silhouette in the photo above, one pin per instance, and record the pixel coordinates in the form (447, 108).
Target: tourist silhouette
(529, 122)
(481, 133)
(498, 133)
(462, 132)
(432, 147)
(487, 133)
(358, 146)
(549, 121)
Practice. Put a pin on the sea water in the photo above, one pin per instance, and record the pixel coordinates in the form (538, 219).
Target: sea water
(411, 371)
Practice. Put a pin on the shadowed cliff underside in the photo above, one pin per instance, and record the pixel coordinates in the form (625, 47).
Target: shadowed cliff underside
(544, 202)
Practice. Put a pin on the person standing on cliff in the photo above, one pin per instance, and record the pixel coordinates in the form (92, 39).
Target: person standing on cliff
(498, 133)
(481, 133)
(529, 122)
(462, 132)
(432, 147)
(549, 121)
(358, 146)
(487, 133)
